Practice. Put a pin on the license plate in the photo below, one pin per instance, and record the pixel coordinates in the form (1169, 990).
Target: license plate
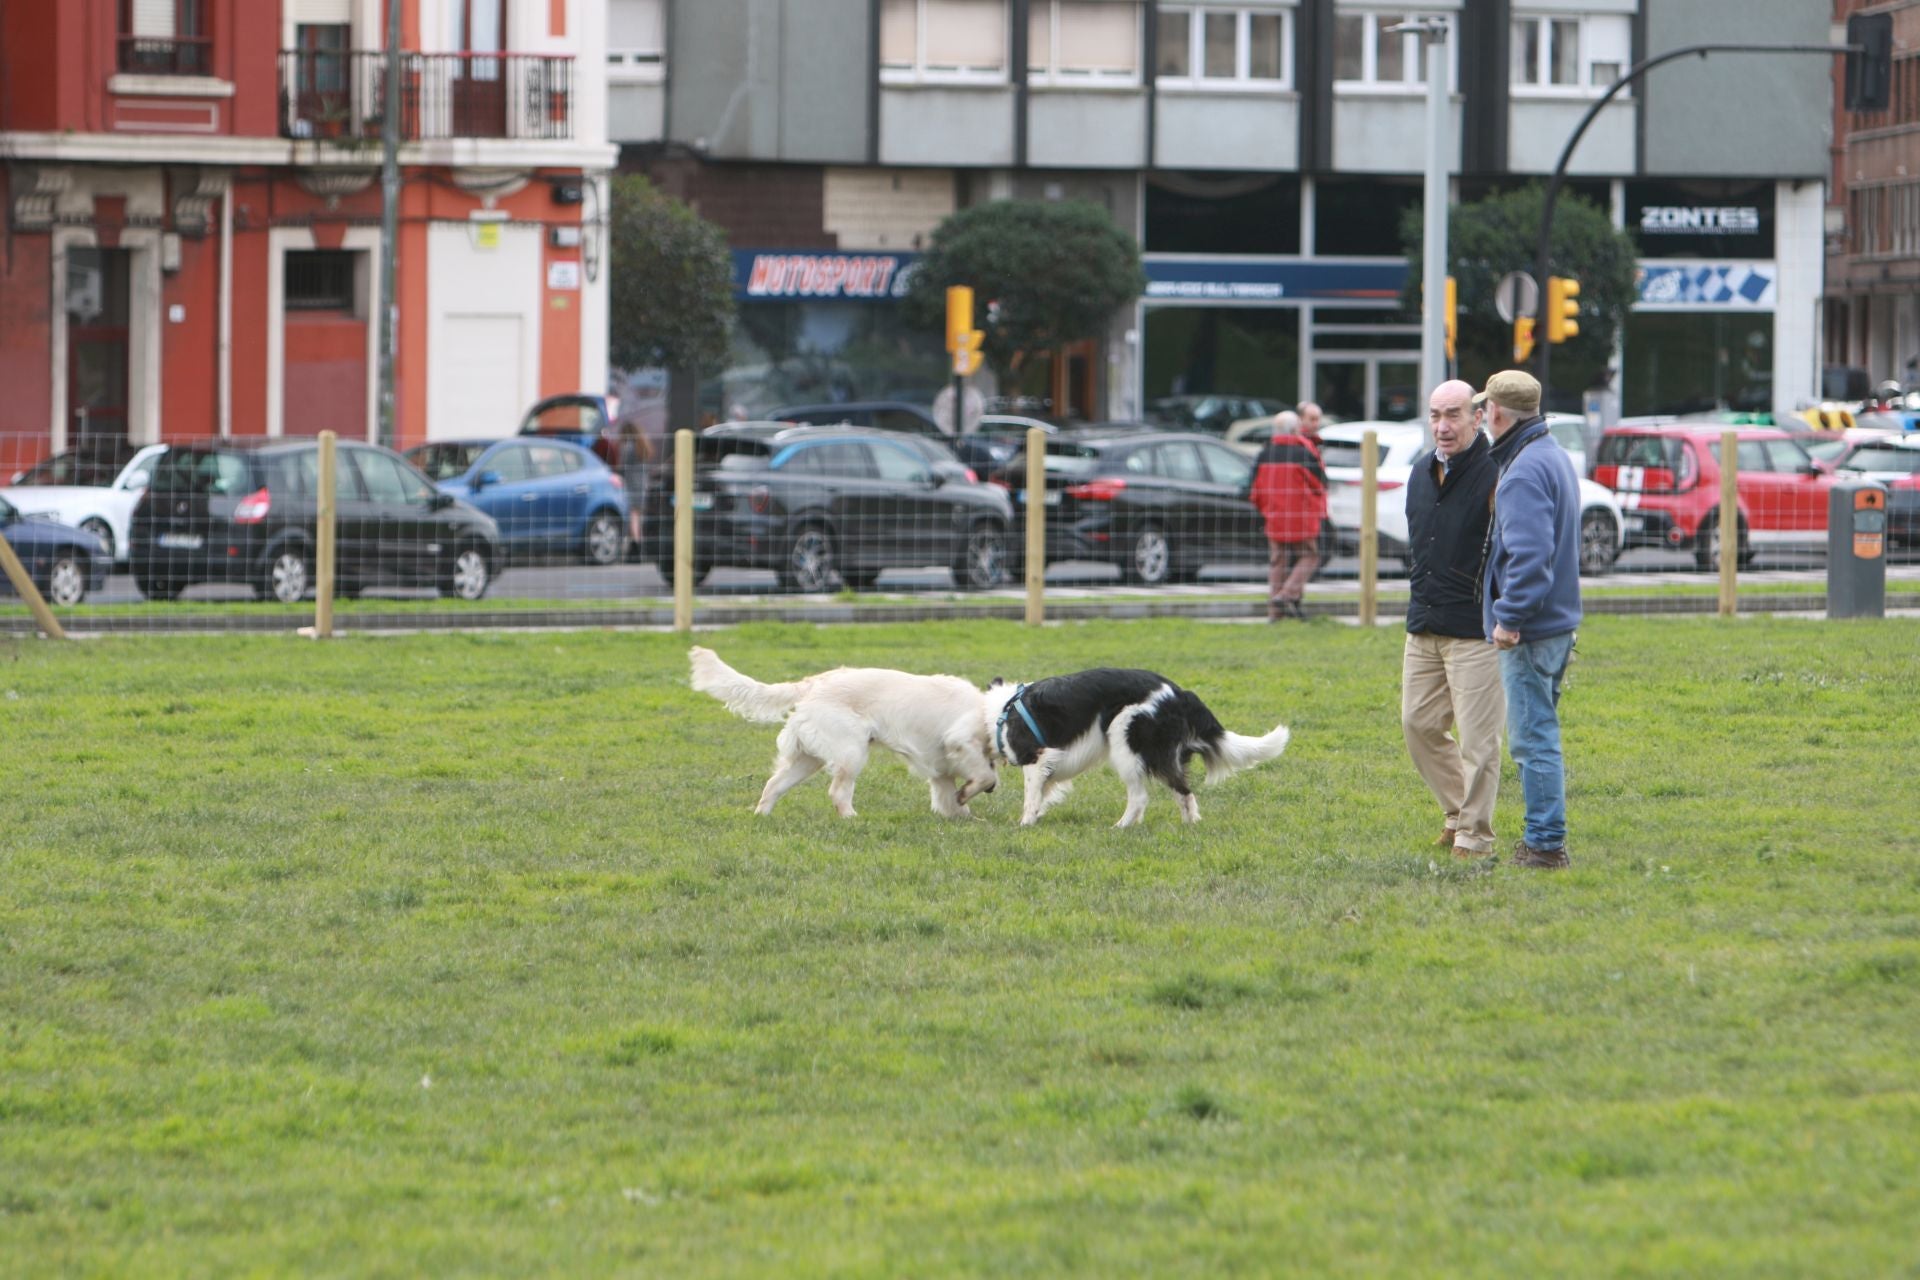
(1636, 523)
(181, 541)
(701, 501)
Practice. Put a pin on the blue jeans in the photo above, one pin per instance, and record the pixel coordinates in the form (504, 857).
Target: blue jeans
(1532, 671)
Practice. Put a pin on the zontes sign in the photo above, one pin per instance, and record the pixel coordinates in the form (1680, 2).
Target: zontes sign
(1699, 220)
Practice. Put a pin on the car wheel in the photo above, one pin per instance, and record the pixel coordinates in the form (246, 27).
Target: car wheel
(154, 588)
(1599, 542)
(100, 529)
(468, 574)
(982, 563)
(810, 562)
(67, 580)
(287, 576)
(1149, 561)
(1706, 545)
(605, 538)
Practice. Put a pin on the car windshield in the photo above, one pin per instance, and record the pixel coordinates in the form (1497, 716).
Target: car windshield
(92, 470)
(1871, 457)
(1639, 451)
(445, 461)
(199, 471)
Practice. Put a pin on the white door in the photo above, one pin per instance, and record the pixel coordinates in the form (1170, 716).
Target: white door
(478, 389)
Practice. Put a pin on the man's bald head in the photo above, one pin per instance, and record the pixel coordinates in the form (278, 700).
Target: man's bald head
(1450, 417)
(1286, 423)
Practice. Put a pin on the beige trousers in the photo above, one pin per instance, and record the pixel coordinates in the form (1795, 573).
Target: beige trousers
(1448, 683)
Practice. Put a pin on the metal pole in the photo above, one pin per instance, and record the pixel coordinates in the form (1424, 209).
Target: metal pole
(389, 220)
(683, 530)
(1729, 523)
(324, 568)
(1369, 527)
(1036, 526)
(1433, 326)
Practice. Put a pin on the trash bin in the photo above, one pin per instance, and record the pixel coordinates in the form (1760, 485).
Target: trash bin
(1857, 550)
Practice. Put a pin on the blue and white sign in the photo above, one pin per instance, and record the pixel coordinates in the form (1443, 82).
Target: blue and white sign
(1697, 286)
(1252, 281)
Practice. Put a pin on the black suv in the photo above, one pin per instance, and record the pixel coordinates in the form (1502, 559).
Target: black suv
(823, 506)
(245, 511)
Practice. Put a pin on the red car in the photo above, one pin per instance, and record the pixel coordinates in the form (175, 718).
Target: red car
(1668, 479)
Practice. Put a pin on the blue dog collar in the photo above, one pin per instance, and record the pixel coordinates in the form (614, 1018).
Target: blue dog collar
(1000, 726)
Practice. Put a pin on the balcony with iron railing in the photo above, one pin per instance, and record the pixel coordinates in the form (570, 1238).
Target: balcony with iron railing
(166, 56)
(341, 96)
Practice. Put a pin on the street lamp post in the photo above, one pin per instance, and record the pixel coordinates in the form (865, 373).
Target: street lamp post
(1433, 322)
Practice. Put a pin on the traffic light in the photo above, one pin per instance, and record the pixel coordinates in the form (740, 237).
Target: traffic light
(1522, 339)
(1563, 308)
(959, 314)
(1453, 313)
(1870, 71)
(966, 356)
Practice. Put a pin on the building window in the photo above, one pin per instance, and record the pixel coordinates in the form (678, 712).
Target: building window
(1369, 54)
(1570, 55)
(636, 40)
(1225, 48)
(321, 280)
(1083, 42)
(165, 37)
(949, 41)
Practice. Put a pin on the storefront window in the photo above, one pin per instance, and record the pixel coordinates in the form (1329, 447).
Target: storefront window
(1361, 216)
(790, 353)
(1693, 362)
(1249, 353)
(1222, 213)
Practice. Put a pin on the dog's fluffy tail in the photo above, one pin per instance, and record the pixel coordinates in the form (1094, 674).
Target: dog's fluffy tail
(1232, 752)
(744, 696)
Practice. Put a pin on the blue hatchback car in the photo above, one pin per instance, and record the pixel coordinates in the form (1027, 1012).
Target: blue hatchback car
(64, 562)
(552, 499)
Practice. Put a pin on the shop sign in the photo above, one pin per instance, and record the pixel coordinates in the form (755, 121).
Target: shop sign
(767, 275)
(1699, 220)
(1252, 281)
(1699, 286)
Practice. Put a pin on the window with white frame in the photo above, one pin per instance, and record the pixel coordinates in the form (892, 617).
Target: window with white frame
(1570, 54)
(1207, 47)
(636, 39)
(1369, 53)
(1083, 42)
(953, 41)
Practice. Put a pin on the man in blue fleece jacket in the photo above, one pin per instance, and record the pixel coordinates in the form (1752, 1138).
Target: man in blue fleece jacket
(1530, 600)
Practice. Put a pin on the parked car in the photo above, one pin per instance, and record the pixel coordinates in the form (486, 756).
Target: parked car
(1569, 431)
(580, 418)
(1668, 479)
(825, 506)
(1211, 413)
(64, 562)
(1603, 523)
(997, 441)
(551, 498)
(1827, 448)
(245, 511)
(1250, 435)
(887, 415)
(1158, 504)
(93, 489)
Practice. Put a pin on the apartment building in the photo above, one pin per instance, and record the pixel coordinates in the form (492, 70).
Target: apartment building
(194, 217)
(1263, 152)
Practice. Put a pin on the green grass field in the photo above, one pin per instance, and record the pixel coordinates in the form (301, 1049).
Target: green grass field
(431, 955)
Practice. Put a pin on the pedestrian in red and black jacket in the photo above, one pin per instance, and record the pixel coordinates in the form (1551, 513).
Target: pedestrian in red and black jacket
(1290, 489)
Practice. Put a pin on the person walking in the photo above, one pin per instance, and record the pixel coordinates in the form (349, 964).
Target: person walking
(1530, 601)
(1450, 675)
(1290, 490)
(636, 452)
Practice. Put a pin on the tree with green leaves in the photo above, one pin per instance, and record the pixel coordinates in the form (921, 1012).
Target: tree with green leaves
(671, 288)
(1489, 238)
(1043, 273)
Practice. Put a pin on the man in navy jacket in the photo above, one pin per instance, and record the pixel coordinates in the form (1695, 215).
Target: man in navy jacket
(1530, 600)
(1450, 675)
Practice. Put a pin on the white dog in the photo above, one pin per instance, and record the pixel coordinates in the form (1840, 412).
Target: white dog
(937, 724)
(1058, 728)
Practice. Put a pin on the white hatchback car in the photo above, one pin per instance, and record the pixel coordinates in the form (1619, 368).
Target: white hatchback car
(67, 489)
(1602, 527)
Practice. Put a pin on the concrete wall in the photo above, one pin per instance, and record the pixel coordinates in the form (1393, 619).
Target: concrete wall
(636, 112)
(1538, 130)
(1226, 131)
(1087, 130)
(1377, 134)
(959, 126)
(771, 79)
(1737, 115)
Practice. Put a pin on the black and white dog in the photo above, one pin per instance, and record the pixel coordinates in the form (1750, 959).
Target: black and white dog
(1149, 727)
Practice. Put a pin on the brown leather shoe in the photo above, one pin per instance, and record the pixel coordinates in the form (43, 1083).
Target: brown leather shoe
(1446, 839)
(1525, 855)
(1465, 854)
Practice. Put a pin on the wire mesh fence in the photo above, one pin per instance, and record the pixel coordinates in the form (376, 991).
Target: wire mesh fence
(550, 528)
